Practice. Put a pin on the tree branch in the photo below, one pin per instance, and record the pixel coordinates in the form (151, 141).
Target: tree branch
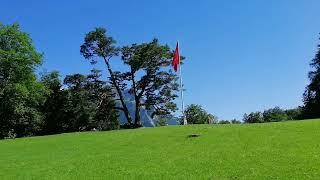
(144, 85)
(119, 108)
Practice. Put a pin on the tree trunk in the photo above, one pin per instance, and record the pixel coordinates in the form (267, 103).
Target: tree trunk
(137, 120)
(125, 108)
(137, 117)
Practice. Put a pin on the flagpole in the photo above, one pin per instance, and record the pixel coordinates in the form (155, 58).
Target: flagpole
(181, 88)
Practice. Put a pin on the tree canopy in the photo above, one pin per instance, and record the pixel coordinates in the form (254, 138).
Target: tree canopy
(85, 103)
(311, 96)
(21, 94)
(148, 79)
(195, 114)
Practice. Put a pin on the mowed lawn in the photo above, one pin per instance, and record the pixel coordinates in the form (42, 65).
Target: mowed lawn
(285, 150)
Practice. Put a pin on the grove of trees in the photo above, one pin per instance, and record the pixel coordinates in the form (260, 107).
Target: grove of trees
(50, 104)
(32, 105)
(275, 114)
(79, 103)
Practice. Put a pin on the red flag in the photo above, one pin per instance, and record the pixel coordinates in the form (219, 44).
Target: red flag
(176, 58)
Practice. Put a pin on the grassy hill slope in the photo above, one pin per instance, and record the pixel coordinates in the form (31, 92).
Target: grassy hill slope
(283, 150)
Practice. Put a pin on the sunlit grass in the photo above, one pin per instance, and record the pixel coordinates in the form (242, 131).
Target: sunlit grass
(286, 150)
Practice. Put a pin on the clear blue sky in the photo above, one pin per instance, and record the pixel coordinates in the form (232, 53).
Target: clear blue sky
(242, 56)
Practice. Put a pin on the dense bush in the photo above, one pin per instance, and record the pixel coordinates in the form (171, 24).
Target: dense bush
(85, 103)
(274, 115)
(54, 106)
(224, 122)
(195, 114)
(254, 117)
(234, 121)
(295, 113)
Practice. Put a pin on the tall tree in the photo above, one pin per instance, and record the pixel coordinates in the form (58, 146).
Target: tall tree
(21, 94)
(54, 106)
(148, 79)
(79, 109)
(311, 96)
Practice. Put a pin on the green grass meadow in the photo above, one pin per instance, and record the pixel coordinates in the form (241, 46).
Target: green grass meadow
(284, 150)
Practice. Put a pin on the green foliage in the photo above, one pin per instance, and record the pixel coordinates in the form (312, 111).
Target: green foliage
(162, 120)
(148, 79)
(253, 117)
(102, 98)
(86, 103)
(106, 117)
(224, 122)
(212, 119)
(20, 93)
(79, 109)
(90, 103)
(295, 113)
(274, 115)
(29, 107)
(234, 121)
(311, 96)
(54, 106)
(157, 86)
(195, 114)
(287, 150)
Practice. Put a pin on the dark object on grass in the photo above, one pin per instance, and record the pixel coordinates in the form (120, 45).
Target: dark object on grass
(193, 135)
